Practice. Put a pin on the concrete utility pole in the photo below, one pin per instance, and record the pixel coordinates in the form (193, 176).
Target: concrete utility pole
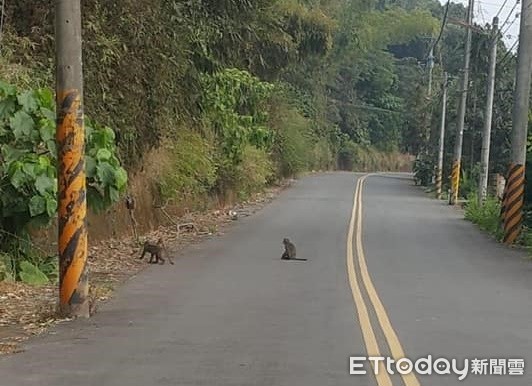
(515, 186)
(455, 174)
(439, 170)
(70, 136)
(431, 66)
(486, 134)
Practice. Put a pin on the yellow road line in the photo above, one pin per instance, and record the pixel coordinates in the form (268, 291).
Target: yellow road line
(372, 347)
(391, 337)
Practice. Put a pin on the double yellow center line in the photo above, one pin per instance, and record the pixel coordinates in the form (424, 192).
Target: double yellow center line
(354, 236)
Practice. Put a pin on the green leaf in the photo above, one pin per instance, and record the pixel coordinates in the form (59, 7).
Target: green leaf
(32, 275)
(10, 153)
(103, 155)
(37, 205)
(51, 206)
(88, 130)
(29, 169)
(109, 135)
(46, 99)
(7, 107)
(7, 89)
(22, 124)
(45, 184)
(90, 166)
(114, 194)
(48, 114)
(46, 129)
(95, 200)
(120, 178)
(106, 173)
(19, 178)
(51, 171)
(52, 148)
(44, 161)
(27, 101)
(35, 136)
(101, 137)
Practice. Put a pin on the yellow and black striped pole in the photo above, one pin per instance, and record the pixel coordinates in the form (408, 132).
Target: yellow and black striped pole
(512, 207)
(515, 185)
(439, 181)
(70, 136)
(462, 107)
(455, 182)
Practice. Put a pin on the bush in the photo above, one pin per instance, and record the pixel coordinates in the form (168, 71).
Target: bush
(486, 215)
(254, 172)
(423, 170)
(469, 181)
(322, 156)
(356, 157)
(292, 142)
(27, 263)
(30, 274)
(191, 170)
(7, 268)
(28, 175)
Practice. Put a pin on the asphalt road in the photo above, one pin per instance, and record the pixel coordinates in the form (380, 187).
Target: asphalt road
(396, 273)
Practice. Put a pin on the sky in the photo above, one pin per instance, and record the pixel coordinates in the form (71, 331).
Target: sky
(485, 10)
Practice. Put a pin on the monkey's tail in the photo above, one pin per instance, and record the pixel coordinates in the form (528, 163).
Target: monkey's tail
(297, 259)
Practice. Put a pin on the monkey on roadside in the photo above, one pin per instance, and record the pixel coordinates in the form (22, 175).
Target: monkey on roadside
(289, 251)
(155, 251)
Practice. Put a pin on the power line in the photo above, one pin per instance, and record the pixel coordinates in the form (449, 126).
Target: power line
(508, 53)
(510, 14)
(501, 8)
(488, 3)
(509, 26)
(495, 4)
(444, 21)
(481, 12)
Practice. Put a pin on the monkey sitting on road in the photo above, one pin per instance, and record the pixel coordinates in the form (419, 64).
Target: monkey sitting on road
(155, 251)
(289, 251)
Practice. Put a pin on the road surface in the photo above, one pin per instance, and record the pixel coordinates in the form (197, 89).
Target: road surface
(390, 272)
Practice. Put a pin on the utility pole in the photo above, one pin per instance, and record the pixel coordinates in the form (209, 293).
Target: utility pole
(439, 170)
(70, 137)
(486, 134)
(515, 186)
(430, 63)
(455, 174)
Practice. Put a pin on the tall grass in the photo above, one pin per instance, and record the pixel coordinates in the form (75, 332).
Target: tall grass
(485, 215)
(361, 158)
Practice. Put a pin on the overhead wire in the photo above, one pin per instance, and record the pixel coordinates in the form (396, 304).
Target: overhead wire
(509, 14)
(507, 55)
(481, 12)
(510, 25)
(444, 21)
(501, 8)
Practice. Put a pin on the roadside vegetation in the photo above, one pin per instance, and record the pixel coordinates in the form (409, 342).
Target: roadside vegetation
(486, 215)
(451, 47)
(28, 193)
